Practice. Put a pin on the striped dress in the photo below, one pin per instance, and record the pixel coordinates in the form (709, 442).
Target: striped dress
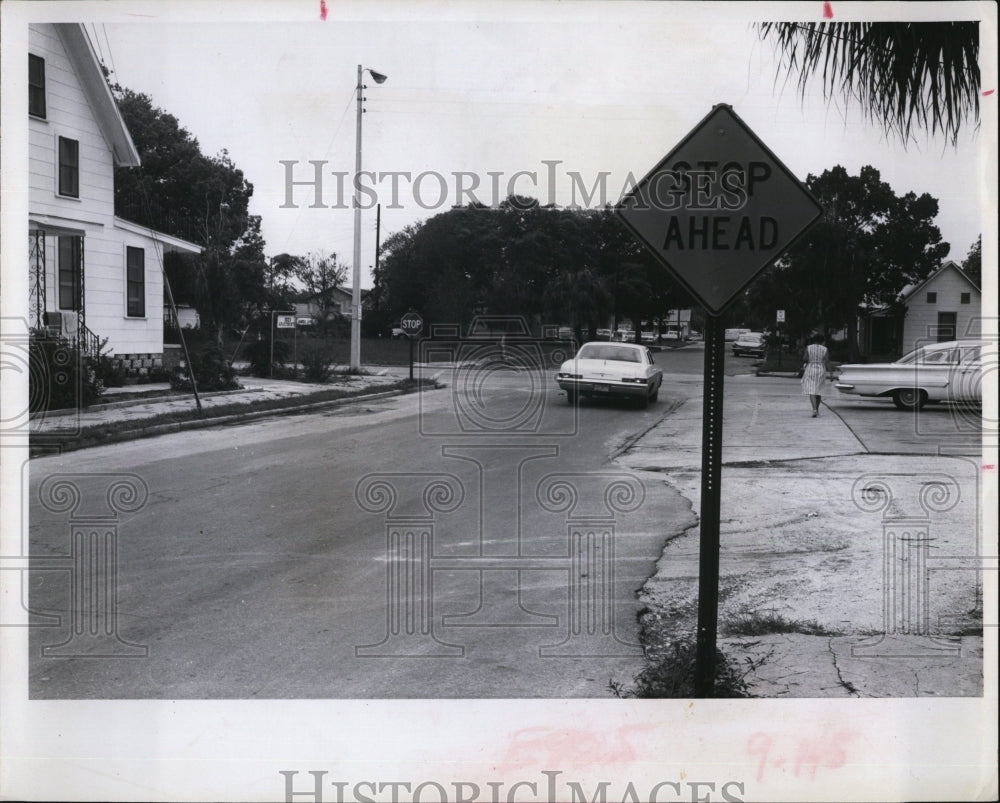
(814, 375)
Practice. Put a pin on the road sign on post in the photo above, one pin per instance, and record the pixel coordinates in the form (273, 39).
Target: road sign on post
(716, 211)
(412, 325)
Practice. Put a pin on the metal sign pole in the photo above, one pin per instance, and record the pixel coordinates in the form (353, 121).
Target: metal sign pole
(410, 337)
(711, 477)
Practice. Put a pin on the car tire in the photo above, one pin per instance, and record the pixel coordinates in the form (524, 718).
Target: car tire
(909, 398)
(571, 396)
(655, 395)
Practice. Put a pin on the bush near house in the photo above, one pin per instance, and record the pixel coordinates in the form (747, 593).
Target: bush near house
(60, 377)
(209, 365)
(317, 363)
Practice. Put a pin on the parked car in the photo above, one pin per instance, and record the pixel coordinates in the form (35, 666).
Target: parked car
(749, 344)
(397, 332)
(603, 334)
(938, 372)
(611, 369)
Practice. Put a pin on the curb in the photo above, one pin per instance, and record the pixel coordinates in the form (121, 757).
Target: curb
(146, 400)
(201, 423)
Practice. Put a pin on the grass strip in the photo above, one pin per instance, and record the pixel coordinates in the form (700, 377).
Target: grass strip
(114, 431)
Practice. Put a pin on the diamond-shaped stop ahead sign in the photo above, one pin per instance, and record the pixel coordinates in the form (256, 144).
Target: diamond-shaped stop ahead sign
(716, 211)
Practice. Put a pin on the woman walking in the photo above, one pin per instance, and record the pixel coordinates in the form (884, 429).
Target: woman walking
(814, 372)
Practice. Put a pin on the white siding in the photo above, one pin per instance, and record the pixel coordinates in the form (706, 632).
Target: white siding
(921, 321)
(69, 114)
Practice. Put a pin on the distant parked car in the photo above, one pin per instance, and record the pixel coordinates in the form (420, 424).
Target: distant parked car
(611, 369)
(733, 334)
(949, 372)
(749, 344)
(398, 332)
(603, 334)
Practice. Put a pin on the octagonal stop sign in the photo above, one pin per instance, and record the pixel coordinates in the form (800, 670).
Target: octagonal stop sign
(411, 323)
(718, 209)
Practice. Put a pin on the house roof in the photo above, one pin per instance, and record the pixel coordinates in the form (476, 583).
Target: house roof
(913, 289)
(168, 241)
(88, 69)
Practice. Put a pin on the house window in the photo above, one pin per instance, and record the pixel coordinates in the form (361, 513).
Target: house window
(70, 257)
(69, 167)
(966, 298)
(36, 86)
(932, 298)
(135, 282)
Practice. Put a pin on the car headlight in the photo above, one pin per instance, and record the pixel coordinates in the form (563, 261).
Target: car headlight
(636, 379)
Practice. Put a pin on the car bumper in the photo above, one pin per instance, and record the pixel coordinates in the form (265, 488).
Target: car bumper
(587, 387)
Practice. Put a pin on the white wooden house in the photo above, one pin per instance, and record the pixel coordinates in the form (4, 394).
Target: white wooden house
(93, 276)
(947, 305)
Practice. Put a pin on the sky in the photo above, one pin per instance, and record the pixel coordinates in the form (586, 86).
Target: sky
(552, 89)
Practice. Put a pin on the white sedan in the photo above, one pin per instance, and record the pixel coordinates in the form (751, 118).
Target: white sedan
(950, 372)
(611, 369)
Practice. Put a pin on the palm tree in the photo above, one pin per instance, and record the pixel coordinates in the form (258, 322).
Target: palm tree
(906, 76)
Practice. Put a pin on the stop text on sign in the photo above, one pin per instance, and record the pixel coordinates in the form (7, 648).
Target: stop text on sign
(710, 187)
(707, 186)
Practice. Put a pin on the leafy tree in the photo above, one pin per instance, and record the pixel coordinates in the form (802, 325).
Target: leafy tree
(180, 191)
(321, 275)
(922, 75)
(868, 245)
(973, 264)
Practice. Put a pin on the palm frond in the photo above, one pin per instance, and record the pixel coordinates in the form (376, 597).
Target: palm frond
(905, 76)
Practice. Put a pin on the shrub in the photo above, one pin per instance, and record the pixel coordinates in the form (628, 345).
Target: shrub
(60, 377)
(317, 364)
(258, 353)
(109, 371)
(210, 368)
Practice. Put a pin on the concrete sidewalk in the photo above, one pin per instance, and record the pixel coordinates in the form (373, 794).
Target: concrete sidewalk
(805, 549)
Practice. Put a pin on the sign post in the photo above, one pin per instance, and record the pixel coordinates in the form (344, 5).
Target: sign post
(285, 320)
(411, 324)
(716, 211)
(779, 320)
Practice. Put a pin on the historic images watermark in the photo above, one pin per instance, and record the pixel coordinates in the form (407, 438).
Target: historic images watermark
(82, 606)
(914, 551)
(501, 451)
(708, 186)
(51, 371)
(546, 787)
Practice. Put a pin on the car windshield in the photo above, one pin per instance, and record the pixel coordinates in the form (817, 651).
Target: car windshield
(602, 352)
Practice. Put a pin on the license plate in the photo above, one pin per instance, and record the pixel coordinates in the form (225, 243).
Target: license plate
(601, 388)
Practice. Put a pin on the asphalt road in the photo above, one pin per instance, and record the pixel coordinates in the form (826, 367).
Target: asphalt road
(470, 542)
(497, 553)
